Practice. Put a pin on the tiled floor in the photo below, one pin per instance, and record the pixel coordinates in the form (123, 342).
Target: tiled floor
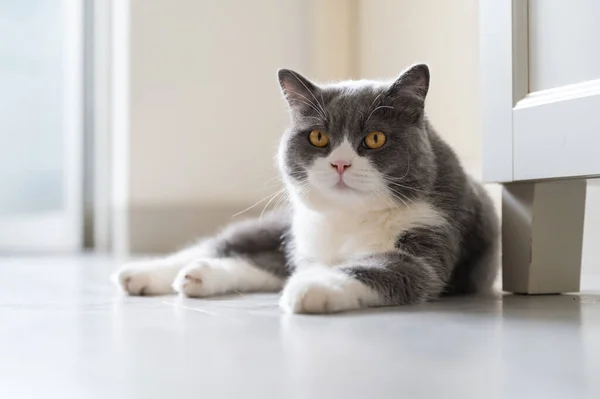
(66, 333)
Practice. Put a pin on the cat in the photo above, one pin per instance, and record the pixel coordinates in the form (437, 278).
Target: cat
(381, 211)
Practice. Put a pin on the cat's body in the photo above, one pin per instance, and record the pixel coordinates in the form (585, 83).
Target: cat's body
(381, 212)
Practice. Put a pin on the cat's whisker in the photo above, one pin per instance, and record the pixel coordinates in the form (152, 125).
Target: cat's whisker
(310, 104)
(394, 178)
(267, 204)
(269, 187)
(279, 201)
(273, 178)
(379, 107)
(259, 202)
(313, 117)
(399, 199)
(303, 188)
(407, 166)
(401, 196)
(376, 98)
(407, 187)
(282, 199)
(425, 192)
(391, 198)
(311, 93)
(362, 116)
(317, 109)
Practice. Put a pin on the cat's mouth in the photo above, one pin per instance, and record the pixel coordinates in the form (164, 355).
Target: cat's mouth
(342, 186)
(338, 187)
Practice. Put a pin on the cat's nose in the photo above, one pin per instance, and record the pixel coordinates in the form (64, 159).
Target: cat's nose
(341, 166)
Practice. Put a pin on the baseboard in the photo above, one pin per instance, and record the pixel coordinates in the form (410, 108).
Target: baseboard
(162, 229)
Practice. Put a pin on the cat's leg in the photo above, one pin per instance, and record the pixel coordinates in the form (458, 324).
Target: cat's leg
(215, 276)
(246, 256)
(156, 276)
(390, 278)
(414, 273)
(249, 257)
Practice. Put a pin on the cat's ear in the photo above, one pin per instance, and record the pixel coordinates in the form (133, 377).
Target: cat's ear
(298, 91)
(412, 84)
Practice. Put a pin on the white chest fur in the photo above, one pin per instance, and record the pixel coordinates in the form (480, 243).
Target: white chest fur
(333, 238)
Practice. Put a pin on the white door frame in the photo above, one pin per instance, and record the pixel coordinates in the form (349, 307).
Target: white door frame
(110, 127)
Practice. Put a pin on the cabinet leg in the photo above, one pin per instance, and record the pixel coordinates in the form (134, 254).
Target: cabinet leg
(542, 236)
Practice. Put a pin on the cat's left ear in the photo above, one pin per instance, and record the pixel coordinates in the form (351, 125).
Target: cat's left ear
(298, 91)
(412, 84)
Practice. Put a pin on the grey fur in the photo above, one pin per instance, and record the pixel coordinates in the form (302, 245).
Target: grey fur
(456, 258)
(261, 241)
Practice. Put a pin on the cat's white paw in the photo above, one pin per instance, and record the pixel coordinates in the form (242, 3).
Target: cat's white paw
(202, 278)
(323, 290)
(145, 278)
(215, 276)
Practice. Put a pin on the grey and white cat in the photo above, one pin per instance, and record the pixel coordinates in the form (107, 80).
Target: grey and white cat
(381, 212)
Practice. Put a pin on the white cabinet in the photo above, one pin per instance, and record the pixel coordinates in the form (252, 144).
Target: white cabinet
(540, 70)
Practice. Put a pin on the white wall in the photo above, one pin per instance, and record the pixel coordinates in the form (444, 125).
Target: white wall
(443, 34)
(206, 112)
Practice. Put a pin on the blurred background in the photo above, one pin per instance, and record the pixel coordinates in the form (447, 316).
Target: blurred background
(133, 126)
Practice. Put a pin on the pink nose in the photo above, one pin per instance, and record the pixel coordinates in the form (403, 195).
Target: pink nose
(341, 166)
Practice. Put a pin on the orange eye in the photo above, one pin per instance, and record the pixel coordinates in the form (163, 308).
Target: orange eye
(375, 140)
(318, 138)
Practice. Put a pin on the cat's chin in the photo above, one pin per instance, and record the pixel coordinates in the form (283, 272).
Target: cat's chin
(343, 193)
(341, 198)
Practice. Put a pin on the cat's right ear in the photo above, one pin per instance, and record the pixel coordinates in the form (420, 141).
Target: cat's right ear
(298, 91)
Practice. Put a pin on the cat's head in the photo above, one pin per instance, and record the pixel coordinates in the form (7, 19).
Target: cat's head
(354, 143)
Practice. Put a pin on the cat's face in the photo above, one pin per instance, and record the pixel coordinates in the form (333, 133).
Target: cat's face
(356, 143)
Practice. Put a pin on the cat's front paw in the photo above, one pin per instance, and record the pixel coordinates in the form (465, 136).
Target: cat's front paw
(201, 278)
(325, 291)
(145, 278)
(216, 276)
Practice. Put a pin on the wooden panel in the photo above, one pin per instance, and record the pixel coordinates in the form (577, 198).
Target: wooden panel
(564, 42)
(557, 133)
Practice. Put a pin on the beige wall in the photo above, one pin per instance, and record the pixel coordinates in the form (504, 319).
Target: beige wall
(206, 112)
(443, 34)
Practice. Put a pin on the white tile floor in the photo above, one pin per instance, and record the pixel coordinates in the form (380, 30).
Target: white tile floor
(65, 333)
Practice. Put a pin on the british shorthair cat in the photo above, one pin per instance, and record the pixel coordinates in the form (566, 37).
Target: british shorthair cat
(381, 212)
